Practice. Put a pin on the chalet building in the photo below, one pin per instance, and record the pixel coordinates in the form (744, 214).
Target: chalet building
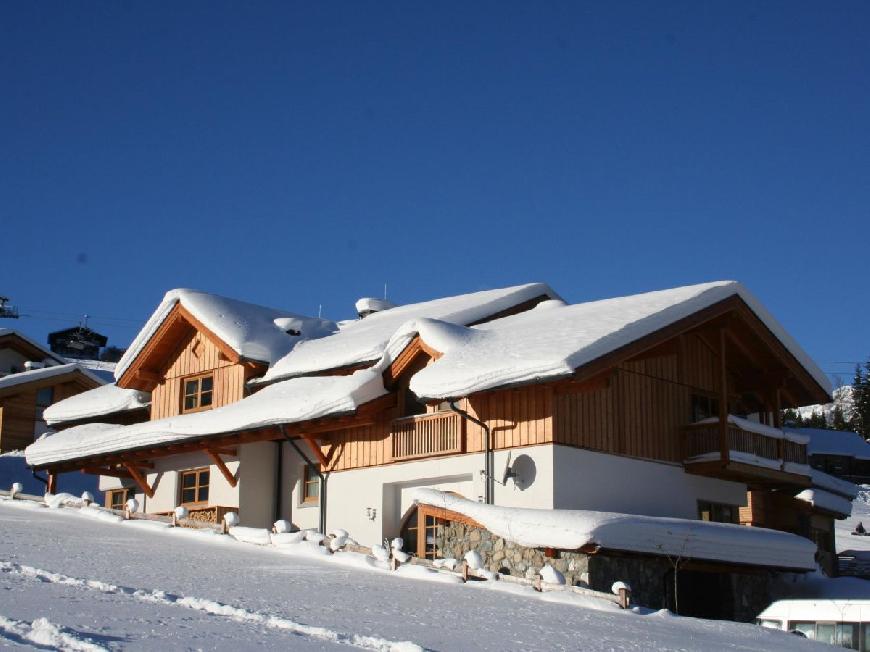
(31, 380)
(843, 454)
(658, 405)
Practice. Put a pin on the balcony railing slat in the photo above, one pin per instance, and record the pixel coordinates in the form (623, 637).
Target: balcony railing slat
(703, 439)
(425, 435)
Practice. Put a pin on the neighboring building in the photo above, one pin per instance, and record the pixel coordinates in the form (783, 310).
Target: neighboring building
(663, 404)
(31, 380)
(843, 454)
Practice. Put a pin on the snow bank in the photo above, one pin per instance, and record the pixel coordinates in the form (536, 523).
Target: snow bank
(22, 377)
(250, 330)
(97, 402)
(299, 399)
(45, 634)
(365, 340)
(825, 500)
(552, 341)
(573, 529)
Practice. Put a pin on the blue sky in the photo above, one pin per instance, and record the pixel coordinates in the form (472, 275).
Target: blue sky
(299, 154)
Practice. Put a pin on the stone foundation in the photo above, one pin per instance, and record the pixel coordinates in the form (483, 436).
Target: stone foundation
(735, 596)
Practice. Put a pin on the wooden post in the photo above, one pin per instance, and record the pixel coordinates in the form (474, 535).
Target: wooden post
(723, 401)
(51, 487)
(624, 598)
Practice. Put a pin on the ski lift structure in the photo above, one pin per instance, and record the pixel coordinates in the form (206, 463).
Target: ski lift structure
(77, 342)
(7, 311)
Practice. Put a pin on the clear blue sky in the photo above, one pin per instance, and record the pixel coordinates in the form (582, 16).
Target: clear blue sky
(297, 154)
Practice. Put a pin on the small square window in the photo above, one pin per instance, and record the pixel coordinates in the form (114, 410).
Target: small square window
(194, 486)
(198, 393)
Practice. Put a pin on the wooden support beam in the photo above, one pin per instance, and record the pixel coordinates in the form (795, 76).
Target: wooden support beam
(113, 473)
(51, 486)
(315, 448)
(222, 467)
(229, 452)
(139, 479)
(724, 449)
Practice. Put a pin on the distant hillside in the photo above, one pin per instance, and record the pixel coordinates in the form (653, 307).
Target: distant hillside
(842, 398)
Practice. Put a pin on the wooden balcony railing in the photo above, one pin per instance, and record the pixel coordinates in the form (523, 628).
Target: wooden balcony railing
(425, 435)
(702, 443)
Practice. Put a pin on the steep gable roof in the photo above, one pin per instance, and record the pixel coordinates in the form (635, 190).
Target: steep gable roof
(364, 341)
(55, 373)
(244, 331)
(554, 340)
(11, 338)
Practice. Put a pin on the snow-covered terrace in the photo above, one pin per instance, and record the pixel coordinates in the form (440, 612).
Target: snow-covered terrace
(608, 531)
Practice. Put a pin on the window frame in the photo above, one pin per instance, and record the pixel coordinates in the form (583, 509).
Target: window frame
(197, 487)
(715, 508)
(199, 392)
(127, 492)
(309, 479)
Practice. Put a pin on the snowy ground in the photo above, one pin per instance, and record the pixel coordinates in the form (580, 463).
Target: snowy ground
(105, 585)
(860, 514)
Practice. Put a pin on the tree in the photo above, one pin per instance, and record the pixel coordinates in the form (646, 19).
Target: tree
(860, 421)
(838, 419)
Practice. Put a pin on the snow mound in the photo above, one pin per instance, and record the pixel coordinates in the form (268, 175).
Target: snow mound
(473, 559)
(551, 576)
(573, 529)
(423, 573)
(257, 536)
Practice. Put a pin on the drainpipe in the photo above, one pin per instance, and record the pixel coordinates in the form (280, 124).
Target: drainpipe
(316, 469)
(279, 472)
(40, 478)
(488, 461)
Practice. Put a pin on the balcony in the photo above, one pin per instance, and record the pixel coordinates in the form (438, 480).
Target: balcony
(752, 453)
(427, 435)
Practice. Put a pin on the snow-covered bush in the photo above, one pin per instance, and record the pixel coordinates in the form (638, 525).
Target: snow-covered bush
(132, 505)
(282, 526)
(336, 543)
(231, 519)
(473, 559)
(449, 563)
(181, 512)
(401, 556)
(380, 553)
(17, 488)
(314, 536)
(551, 576)
(398, 543)
(87, 498)
(619, 585)
(339, 532)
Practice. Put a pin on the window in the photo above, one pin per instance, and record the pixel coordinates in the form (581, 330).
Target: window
(718, 512)
(310, 485)
(117, 498)
(194, 486)
(434, 529)
(198, 393)
(704, 407)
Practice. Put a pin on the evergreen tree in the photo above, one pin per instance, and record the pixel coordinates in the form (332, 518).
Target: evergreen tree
(838, 419)
(791, 418)
(861, 397)
(816, 420)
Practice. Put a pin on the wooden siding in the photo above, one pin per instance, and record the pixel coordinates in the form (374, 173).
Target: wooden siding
(19, 412)
(197, 354)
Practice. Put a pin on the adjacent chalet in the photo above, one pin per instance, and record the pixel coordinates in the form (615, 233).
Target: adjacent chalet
(844, 454)
(31, 380)
(655, 409)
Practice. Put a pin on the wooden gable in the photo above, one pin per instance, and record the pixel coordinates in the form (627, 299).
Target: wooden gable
(15, 342)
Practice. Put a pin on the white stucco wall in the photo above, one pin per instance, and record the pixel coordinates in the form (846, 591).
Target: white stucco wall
(387, 490)
(598, 481)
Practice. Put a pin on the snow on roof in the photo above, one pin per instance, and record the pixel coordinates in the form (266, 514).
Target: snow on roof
(365, 340)
(825, 500)
(249, 329)
(573, 529)
(553, 340)
(48, 354)
(105, 370)
(97, 402)
(22, 377)
(761, 429)
(833, 484)
(835, 442)
(291, 401)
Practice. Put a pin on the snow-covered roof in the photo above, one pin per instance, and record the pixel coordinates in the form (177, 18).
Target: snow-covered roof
(291, 401)
(553, 340)
(249, 329)
(822, 499)
(572, 529)
(97, 402)
(48, 354)
(833, 484)
(835, 442)
(364, 340)
(103, 369)
(23, 377)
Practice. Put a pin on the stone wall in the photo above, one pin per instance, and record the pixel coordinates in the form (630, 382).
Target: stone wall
(735, 596)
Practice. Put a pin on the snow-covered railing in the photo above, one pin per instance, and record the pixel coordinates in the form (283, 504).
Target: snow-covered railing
(426, 434)
(746, 442)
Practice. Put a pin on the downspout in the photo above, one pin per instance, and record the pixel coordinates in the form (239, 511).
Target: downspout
(488, 461)
(316, 469)
(41, 479)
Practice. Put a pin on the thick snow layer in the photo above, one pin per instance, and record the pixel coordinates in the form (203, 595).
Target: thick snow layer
(299, 399)
(552, 341)
(572, 529)
(741, 457)
(825, 500)
(365, 340)
(22, 377)
(97, 402)
(833, 484)
(116, 585)
(250, 330)
(105, 370)
(835, 442)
